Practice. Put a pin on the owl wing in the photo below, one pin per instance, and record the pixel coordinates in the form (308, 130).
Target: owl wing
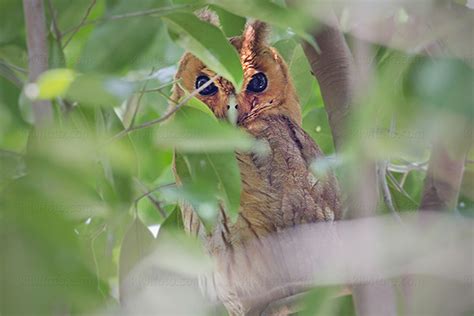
(284, 174)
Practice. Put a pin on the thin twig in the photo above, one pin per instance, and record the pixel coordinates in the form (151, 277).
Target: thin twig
(399, 187)
(407, 168)
(9, 74)
(387, 196)
(148, 193)
(404, 178)
(159, 88)
(167, 115)
(132, 122)
(81, 24)
(382, 176)
(56, 30)
(162, 10)
(14, 67)
(177, 107)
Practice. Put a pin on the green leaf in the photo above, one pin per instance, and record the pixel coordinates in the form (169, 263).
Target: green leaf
(232, 25)
(208, 43)
(113, 45)
(443, 84)
(201, 106)
(319, 302)
(192, 130)
(299, 68)
(97, 90)
(272, 13)
(12, 166)
(209, 179)
(11, 21)
(56, 59)
(136, 245)
(174, 221)
(316, 124)
(54, 83)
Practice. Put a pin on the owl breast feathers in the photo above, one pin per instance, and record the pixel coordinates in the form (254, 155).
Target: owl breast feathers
(278, 187)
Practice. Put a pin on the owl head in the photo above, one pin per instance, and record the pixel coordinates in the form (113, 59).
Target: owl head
(267, 87)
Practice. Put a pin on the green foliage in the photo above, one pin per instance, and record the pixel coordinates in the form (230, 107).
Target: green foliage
(209, 180)
(208, 43)
(78, 197)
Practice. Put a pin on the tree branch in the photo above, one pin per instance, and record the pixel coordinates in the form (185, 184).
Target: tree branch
(37, 55)
(83, 21)
(443, 179)
(334, 69)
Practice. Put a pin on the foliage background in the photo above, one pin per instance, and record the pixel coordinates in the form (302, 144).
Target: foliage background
(77, 196)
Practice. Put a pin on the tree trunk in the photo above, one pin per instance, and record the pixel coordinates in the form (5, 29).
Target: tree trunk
(37, 55)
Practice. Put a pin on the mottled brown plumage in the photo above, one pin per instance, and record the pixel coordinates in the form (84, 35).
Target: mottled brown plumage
(278, 188)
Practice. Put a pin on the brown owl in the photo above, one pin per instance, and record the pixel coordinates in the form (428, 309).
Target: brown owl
(278, 188)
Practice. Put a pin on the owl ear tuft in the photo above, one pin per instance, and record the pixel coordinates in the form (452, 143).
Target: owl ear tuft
(255, 35)
(208, 15)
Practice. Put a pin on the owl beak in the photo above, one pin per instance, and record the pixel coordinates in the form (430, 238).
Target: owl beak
(232, 110)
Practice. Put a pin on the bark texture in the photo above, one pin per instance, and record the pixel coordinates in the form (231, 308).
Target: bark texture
(37, 55)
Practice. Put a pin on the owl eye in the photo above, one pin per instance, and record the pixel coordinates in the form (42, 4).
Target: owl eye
(258, 83)
(209, 90)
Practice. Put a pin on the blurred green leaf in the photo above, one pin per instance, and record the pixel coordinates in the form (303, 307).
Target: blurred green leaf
(443, 84)
(208, 180)
(201, 106)
(97, 90)
(192, 130)
(12, 166)
(136, 245)
(208, 43)
(42, 252)
(54, 83)
(106, 52)
(56, 59)
(11, 21)
(318, 302)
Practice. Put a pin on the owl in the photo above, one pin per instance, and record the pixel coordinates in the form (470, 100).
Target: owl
(278, 188)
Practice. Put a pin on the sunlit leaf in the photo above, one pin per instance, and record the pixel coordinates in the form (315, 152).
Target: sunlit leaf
(54, 83)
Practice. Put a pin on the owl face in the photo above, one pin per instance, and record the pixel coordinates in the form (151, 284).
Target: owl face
(267, 88)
